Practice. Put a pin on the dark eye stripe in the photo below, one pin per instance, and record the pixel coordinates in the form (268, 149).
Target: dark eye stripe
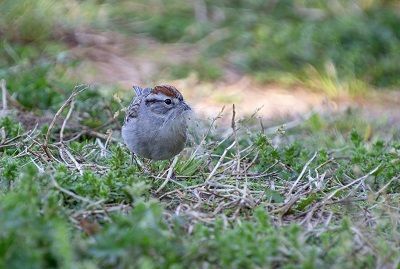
(152, 101)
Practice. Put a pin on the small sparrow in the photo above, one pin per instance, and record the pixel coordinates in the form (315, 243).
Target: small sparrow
(156, 123)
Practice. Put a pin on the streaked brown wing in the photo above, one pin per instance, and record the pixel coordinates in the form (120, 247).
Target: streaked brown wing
(133, 109)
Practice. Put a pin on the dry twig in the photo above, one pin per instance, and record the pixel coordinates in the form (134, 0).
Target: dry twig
(77, 90)
(170, 172)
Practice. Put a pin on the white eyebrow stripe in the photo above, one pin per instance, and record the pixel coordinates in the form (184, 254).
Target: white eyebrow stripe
(160, 98)
(155, 97)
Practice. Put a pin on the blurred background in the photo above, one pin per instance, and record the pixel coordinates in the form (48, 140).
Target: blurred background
(283, 57)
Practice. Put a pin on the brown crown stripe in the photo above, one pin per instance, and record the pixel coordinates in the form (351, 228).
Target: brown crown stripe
(167, 90)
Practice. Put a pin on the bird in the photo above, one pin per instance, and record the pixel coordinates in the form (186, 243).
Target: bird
(155, 125)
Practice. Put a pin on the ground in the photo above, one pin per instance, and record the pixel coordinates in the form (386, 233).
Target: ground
(116, 60)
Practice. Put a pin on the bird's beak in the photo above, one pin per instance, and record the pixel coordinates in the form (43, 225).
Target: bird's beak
(185, 106)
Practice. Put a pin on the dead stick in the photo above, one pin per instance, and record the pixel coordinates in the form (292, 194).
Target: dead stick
(169, 175)
(302, 172)
(219, 162)
(4, 94)
(233, 125)
(75, 92)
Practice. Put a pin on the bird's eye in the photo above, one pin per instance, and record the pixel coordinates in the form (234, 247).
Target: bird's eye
(168, 101)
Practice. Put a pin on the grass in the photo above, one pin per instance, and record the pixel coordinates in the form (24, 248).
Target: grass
(323, 194)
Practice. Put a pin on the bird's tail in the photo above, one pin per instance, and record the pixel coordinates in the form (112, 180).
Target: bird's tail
(138, 90)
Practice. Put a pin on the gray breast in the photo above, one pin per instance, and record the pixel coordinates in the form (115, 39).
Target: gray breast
(154, 140)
